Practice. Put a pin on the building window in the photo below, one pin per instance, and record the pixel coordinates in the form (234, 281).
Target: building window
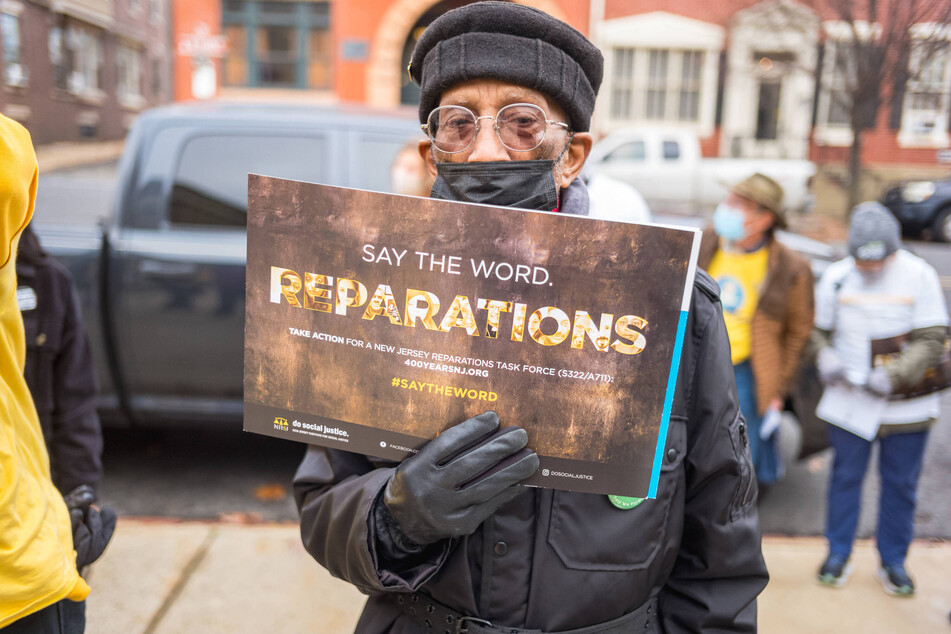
(61, 57)
(14, 72)
(318, 57)
(85, 46)
(837, 76)
(129, 80)
(156, 79)
(622, 89)
(926, 96)
(691, 76)
(236, 60)
(767, 111)
(657, 84)
(277, 44)
(277, 52)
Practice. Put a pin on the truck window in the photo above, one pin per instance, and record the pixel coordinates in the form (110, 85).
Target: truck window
(671, 150)
(211, 180)
(374, 161)
(631, 151)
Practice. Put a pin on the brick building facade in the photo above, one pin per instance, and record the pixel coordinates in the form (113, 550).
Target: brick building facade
(758, 79)
(721, 69)
(315, 50)
(76, 69)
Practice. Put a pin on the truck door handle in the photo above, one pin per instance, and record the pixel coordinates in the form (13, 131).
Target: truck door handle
(165, 270)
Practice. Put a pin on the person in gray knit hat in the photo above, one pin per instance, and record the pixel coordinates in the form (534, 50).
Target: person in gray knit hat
(881, 324)
(448, 540)
(874, 234)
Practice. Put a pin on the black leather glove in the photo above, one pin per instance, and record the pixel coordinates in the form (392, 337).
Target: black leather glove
(459, 479)
(92, 530)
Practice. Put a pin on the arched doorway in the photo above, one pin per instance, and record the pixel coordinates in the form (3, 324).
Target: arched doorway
(388, 83)
(409, 91)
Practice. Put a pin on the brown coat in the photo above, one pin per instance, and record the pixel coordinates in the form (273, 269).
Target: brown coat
(782, 321)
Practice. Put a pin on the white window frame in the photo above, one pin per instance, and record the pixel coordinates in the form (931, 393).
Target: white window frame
(622, 93)
(839, 69)
(635, 89)
(55, 43)
(129, 69)
(837, 33)
(87, 49)
(659, 30)
(692, 84)
(927, 128)
(15, 73)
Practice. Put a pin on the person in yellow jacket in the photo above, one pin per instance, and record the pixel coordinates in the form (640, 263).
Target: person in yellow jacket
(38, 559)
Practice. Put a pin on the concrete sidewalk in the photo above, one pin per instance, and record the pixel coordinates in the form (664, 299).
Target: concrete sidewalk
(162, 577)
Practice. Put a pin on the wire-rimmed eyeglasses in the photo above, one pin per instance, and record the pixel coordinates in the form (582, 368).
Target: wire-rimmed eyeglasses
(520, 127)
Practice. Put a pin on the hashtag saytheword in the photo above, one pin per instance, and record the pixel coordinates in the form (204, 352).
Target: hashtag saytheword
(435, 389)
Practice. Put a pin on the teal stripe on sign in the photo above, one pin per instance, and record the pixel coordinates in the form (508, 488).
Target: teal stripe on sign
(668, 404)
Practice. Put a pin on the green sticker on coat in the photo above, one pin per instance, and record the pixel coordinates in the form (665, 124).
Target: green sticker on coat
(624, 503)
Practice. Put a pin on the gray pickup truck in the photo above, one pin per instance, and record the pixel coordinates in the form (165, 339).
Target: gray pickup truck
(161, 279)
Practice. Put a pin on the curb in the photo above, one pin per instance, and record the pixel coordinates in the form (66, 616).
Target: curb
(62, 156)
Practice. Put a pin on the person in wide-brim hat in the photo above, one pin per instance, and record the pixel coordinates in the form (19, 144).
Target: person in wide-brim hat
(763, 191)
(766, 293)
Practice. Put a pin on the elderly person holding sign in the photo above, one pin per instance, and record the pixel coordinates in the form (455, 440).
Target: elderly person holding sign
(448, 539)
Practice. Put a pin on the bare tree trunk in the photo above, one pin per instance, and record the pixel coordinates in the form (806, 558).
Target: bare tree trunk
(855, 171)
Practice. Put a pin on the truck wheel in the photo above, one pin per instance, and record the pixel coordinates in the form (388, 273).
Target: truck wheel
(942, 225)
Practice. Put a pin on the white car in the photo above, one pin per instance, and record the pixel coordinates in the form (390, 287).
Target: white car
(612, 199)
(665, 165)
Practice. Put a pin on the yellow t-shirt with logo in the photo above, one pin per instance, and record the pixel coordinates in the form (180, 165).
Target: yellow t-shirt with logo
(37, 560)
(740, 276)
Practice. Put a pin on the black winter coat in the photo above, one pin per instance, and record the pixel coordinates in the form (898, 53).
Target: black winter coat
(571, 560)
(59, 367)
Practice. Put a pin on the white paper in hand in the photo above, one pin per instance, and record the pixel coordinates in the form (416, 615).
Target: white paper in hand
(770, 423)
(854, 409)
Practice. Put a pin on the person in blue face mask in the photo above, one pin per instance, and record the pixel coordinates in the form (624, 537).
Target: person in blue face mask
(767, 295)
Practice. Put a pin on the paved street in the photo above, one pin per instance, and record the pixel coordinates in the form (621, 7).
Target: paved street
(200, 474)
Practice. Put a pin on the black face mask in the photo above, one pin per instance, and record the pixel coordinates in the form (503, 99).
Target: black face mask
(523, 184)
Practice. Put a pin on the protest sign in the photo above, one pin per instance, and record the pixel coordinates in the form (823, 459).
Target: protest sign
(374, 322)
